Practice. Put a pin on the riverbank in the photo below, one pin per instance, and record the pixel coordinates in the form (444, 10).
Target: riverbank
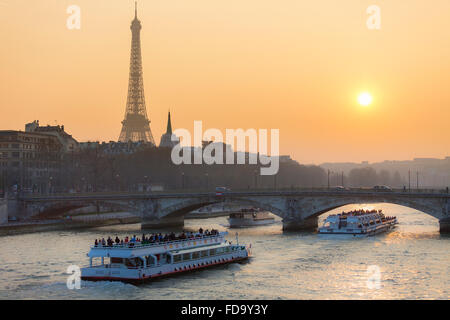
(77, 222)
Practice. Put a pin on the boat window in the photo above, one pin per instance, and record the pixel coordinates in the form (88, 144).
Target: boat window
(186, 256)
(132, 263)
(139, 262)
(212, 252)
(151, 261)
(116, 260)
(195, 255)
(227, 249)
(107, 261)
(168, 258)
(96, 261)
(176, 257)
(219, 250)
(204, 253)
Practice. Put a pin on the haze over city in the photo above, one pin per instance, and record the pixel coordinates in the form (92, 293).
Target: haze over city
(298, 67)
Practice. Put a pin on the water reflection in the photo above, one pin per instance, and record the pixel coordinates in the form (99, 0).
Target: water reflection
(413, 261)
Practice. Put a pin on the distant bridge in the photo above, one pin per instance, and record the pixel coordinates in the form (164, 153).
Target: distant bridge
(299, 209)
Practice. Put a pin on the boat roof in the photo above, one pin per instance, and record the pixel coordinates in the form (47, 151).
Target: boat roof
(182, 251)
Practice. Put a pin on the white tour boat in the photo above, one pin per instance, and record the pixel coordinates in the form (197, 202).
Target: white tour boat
(137, 262)
(358, 223)
(250, 217)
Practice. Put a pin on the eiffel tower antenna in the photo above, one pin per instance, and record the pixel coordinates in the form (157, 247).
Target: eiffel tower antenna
(136, 125)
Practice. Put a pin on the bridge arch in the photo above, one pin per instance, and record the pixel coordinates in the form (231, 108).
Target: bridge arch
(428, 207)
(171, 212)
(194, 204)
(55, 209)
(306, 211)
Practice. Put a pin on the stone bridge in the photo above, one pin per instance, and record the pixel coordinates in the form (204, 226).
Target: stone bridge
(299, 210)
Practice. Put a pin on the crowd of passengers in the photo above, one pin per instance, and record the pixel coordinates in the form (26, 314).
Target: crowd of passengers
(360, 212)
(363, 212)
(154, 238)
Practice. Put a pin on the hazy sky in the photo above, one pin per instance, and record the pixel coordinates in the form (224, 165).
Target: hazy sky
(293, 65)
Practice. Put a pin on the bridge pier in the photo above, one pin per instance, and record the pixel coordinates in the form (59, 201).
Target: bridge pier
(18, 209)
(444, 225)
(309, 224)
(161, 223)
(3, 211)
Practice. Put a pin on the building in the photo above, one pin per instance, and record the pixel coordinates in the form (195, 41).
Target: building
(286, 159)
(69, 143)
(30, 161)
(168, 139)
(115, 148)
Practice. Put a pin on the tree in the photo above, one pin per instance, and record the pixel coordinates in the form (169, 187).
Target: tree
(384, 177)
(397, 181)
(363, 177)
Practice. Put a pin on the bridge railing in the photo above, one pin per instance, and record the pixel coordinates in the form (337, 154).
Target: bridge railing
(246, 190)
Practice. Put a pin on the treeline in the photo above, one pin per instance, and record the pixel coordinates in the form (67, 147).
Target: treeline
(91, 170)
(368, 177)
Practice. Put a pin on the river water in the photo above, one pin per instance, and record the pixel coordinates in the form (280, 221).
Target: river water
(413, 263)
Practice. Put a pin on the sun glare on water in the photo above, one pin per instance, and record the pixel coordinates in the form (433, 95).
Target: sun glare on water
(364, 99)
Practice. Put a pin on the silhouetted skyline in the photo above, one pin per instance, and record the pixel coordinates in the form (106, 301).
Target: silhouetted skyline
(297, 67)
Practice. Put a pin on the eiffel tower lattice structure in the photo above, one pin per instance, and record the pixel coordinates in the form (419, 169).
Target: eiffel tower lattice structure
(136, 125)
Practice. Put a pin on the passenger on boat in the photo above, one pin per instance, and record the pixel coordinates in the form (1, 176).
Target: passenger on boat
(155, 238)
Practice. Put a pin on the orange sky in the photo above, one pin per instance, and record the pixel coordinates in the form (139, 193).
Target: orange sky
(293, 65)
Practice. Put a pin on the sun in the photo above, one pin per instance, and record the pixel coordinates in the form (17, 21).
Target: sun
(365, 99)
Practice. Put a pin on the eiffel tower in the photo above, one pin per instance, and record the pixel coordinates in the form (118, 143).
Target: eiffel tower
(136, 125)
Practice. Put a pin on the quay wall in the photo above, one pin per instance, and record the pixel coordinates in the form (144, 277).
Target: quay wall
(31, 227)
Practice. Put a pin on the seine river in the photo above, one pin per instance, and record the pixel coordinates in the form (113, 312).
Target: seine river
(413, 263)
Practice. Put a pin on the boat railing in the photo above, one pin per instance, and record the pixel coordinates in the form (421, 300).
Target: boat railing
(122, 266)
(139, 245)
